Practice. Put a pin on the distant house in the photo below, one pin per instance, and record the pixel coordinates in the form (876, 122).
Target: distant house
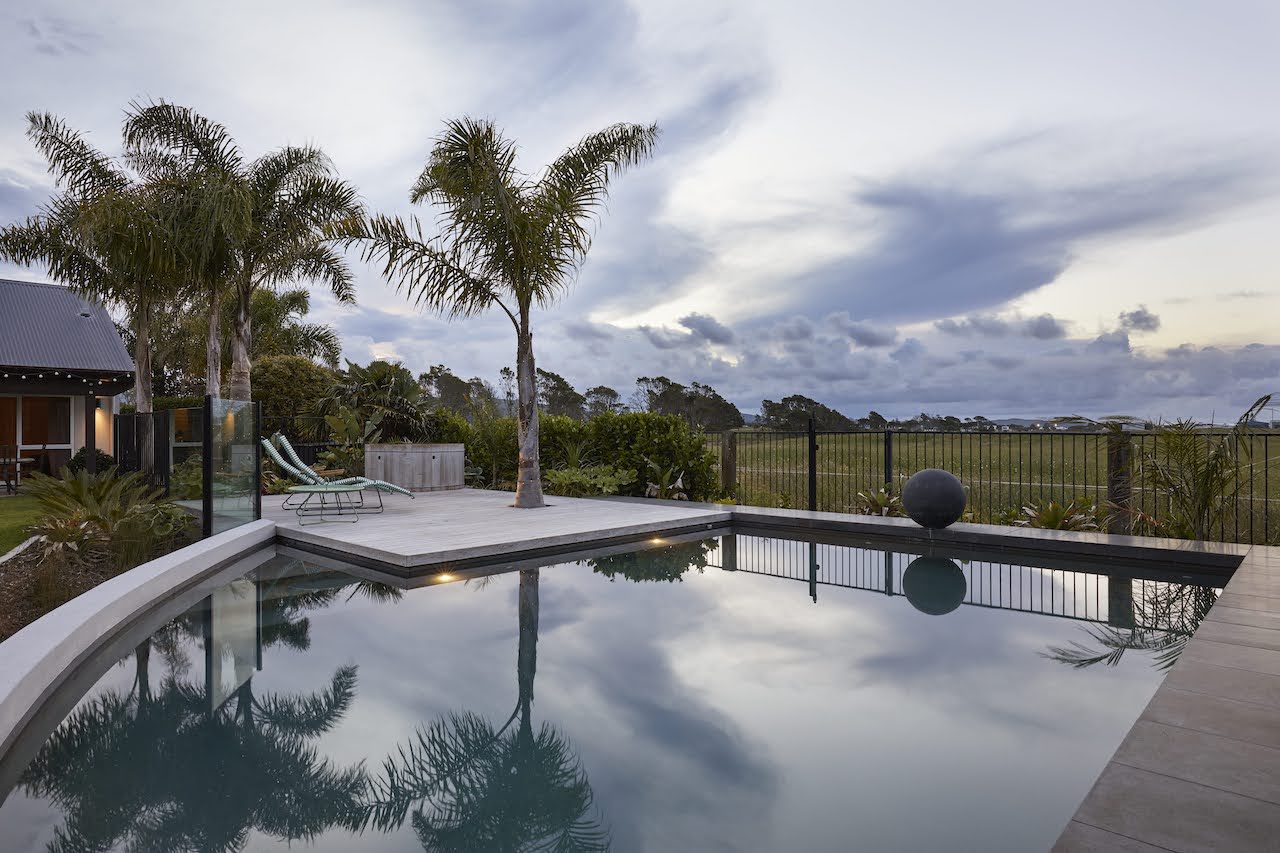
(61, 364)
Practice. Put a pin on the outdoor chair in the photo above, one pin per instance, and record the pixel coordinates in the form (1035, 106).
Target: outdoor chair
(307, 477)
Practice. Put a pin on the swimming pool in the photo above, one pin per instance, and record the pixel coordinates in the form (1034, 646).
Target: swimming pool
(732, 692)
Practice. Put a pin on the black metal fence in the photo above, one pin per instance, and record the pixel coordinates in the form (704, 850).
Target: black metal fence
(1002, 471)
(306, 434)
(206, 458)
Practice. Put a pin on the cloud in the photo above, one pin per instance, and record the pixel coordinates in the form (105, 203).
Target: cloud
(56, 36)
(707, 327)
(664, 338)
(1139, 320)
(794, 329)
(976, 235)
(1117, 341)
(1044, 327)
(862, 334)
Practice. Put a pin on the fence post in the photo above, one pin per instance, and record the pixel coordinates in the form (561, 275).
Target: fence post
(206, 464)
(813, 466)
(1119, 481)
(888, 458)
(729, 462)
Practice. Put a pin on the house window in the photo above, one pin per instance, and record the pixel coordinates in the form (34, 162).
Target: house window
(46, 431)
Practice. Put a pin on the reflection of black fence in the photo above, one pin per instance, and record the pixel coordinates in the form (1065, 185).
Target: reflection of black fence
(1114, 599)
(1002, 471)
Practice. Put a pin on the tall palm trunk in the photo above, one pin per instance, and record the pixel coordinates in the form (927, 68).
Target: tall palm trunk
(529, 473)
(241, 388)
(142, 386)
(213, 348)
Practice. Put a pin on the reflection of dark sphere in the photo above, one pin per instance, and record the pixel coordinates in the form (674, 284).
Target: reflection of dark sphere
(934, 585)
(934, 498)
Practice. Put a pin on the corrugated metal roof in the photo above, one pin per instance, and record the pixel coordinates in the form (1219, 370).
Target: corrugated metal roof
(47, 325)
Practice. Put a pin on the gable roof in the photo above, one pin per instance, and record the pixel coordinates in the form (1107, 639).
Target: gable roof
(47, 325)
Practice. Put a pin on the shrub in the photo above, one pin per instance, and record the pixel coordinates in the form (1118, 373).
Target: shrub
(634, 439)
(583, 482)
(348, 434)
(123, 510)
(288, 386)
(77, 463)
(165, 404)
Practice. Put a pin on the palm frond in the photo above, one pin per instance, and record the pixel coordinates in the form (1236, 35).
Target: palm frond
(435, 277)
(73, 162)
(158, 126)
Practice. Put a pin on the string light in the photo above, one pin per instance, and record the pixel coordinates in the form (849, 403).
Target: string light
(68, 376)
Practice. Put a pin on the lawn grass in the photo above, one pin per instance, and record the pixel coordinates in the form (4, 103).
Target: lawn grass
(17, 512)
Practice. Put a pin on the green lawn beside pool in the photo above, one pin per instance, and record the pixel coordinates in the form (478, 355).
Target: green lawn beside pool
(16, 513)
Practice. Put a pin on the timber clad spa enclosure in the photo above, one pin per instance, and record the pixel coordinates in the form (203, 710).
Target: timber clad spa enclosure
(451, 673)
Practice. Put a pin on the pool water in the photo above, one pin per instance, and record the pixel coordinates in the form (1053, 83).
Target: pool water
(732, 693)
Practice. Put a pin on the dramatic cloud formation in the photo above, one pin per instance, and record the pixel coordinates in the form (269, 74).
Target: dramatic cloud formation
(839, 206)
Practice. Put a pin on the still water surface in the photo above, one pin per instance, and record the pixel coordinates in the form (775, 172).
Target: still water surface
(733, 693)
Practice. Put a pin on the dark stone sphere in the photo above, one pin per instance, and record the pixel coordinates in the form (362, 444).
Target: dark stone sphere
(934, 498)
(934, 585)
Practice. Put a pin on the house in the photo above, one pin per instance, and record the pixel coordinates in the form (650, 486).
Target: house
(61, 364)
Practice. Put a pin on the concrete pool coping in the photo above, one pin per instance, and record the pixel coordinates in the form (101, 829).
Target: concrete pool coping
(1196, 771)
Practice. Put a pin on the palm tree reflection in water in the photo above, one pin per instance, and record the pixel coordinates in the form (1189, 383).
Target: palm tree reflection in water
(158, 769)
(1159, 621)
(468, 786)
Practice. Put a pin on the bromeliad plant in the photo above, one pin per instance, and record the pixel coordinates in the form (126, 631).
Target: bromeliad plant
(1078, 514)
(882, 502)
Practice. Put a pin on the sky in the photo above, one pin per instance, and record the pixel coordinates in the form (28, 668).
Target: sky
(998, 208)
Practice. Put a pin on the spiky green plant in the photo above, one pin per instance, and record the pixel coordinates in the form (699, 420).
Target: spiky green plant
(129, 514)
(882, 502)
(1077, 515)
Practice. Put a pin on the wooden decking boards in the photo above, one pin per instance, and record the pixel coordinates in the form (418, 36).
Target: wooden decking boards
(468, 524)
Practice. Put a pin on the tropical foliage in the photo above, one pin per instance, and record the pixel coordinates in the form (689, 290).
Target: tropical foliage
(1078, 514)
(105, 515)
(247, 225)
(882, 502)
(506, 241)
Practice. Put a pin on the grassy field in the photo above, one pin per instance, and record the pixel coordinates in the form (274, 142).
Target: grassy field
(1003, 471)
(16, 512)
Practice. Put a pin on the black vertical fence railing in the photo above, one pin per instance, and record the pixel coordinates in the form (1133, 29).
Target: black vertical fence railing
(1002, 472)
(207, 459)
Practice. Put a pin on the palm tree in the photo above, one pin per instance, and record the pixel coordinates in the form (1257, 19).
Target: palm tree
(256, 225)
(276, 318)
(506, 240)
(105, 234)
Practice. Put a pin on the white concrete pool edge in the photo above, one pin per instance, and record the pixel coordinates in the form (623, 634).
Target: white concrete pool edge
(41, 656)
